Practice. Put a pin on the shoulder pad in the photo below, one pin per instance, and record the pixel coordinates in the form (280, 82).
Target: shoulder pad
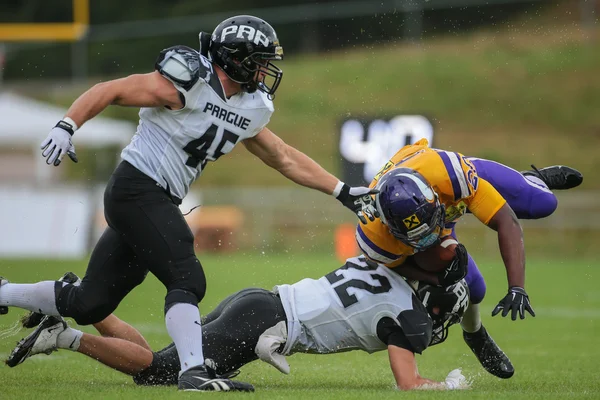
(181, 64)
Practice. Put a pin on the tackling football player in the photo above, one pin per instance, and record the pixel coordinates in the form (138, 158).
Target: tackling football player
(423, 192)
(360, 306)
(195, 107)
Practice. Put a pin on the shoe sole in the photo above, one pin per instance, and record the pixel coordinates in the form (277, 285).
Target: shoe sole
(215, 385)
(23, 348)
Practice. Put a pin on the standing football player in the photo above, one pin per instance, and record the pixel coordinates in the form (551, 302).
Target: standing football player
(195, 107)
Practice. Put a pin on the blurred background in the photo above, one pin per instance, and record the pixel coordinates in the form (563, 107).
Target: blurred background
(509, 80)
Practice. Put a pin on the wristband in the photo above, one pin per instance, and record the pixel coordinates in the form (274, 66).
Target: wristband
(68, 125)
(338, 189)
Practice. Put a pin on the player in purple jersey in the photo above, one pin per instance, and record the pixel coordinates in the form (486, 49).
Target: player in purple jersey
(529, 194)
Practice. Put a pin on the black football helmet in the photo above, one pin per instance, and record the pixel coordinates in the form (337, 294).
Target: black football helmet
(244, 46)
(446, 306)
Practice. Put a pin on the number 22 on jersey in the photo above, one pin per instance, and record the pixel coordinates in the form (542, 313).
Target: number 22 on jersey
(341, 284)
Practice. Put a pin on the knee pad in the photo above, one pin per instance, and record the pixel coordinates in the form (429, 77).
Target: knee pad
(84, 306)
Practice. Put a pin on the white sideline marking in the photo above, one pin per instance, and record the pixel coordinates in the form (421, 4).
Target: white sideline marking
(568, 313)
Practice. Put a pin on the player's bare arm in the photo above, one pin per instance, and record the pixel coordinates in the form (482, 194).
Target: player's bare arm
(406, 373)
(139, 90)
(303, 170)
(512, 249)
(290, 162)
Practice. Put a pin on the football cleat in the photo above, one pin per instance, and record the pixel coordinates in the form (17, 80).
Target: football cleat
(203, 378)
(42, 340)
(3, 309)
(557, 177)
(491, 357)
(33, 319)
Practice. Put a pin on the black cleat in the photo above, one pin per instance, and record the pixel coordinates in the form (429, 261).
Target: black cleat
(491, 357)
(3, 309)
(204, 378)
(557, 177)
(42, 340)
(33, 319)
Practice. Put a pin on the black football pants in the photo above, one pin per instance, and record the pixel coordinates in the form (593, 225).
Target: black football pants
(146, 232)
(229, 335)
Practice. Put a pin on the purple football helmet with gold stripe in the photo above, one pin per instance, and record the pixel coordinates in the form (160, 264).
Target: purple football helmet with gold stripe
(410, 208)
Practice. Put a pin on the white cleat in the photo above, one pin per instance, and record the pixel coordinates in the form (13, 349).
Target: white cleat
(42, 340)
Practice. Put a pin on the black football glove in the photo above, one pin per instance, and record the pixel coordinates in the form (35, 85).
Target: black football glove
(517, 301)
(457, 269)
(359, 200)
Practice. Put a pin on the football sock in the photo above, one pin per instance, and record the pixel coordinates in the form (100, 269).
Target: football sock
(37, 297)
(471, 321)
(69, 339)
(183, 325)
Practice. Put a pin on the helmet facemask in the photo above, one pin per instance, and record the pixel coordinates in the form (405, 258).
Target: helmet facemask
(446, 307)
(263, 74)
(427, 234)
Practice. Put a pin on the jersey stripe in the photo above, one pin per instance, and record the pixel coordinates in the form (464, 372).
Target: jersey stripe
(456, 174)
(371, 250)
(460, 174)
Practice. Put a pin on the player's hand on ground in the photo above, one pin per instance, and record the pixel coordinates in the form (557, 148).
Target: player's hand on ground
(456, 380)
(359, 200)
(457, 269)
(516, 301)
(58, 144)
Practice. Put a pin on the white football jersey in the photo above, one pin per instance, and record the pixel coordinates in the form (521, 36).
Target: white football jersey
(173, 146)
(340, 311)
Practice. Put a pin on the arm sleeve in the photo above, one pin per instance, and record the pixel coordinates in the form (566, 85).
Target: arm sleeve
(412, 330)
(486, 202)
(390, 333)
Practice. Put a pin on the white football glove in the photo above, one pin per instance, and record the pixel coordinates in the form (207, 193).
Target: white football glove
(58, 144)
(456, 380)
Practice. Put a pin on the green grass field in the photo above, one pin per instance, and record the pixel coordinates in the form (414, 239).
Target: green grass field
(555, 354)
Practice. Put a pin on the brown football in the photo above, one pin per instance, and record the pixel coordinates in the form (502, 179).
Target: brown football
(436, 258)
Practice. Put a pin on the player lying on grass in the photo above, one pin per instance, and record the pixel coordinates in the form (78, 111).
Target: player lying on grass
(424, 191)
(360, 306)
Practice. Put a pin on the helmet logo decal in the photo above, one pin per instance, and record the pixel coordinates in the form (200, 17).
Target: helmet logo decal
(411, 222)
(423, 187)
(253, 35)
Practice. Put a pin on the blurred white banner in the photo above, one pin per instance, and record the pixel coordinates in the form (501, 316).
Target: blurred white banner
(53, 223)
